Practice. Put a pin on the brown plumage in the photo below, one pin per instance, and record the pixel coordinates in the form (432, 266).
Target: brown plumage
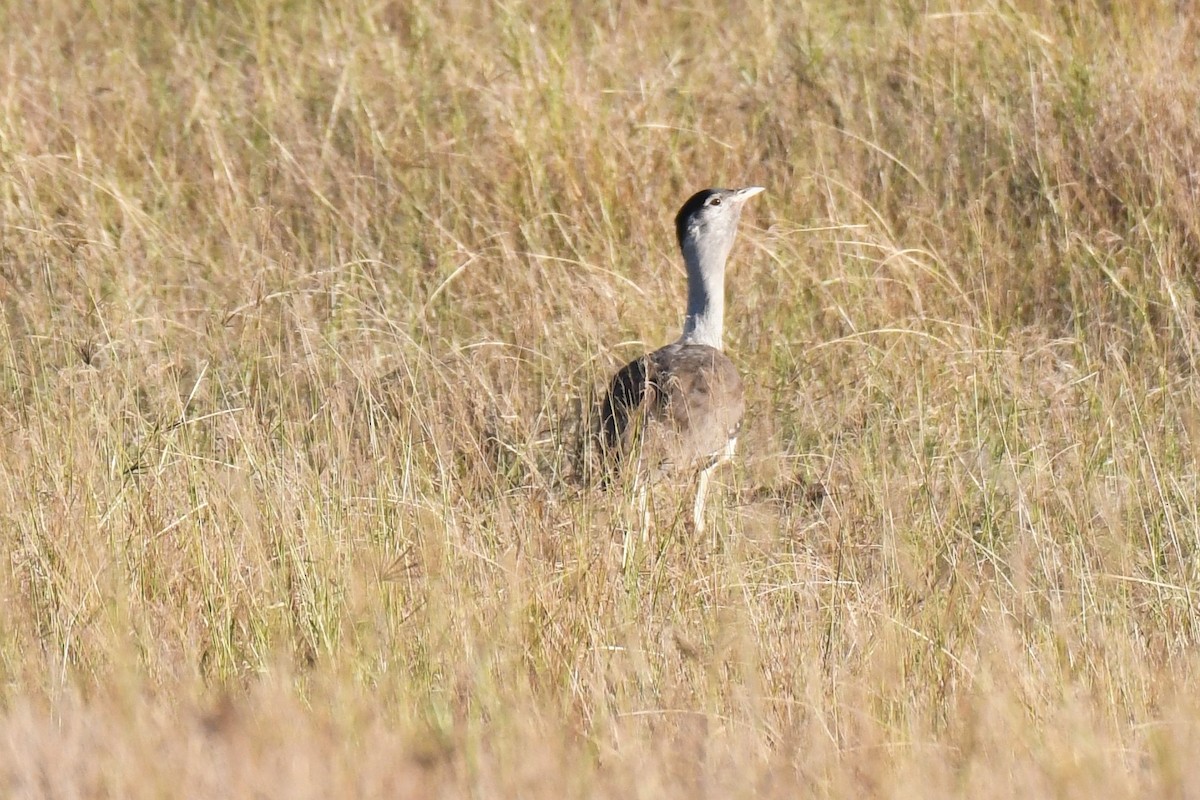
(678, 407)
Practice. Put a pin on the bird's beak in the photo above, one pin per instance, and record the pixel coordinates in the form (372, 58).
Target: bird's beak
(745, 194)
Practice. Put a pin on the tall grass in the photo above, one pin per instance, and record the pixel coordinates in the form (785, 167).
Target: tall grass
(300, 304)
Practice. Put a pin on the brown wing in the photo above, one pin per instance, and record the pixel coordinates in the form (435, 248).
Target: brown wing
(685, 401)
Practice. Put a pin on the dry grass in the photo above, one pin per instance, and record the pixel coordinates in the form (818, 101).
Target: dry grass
(297, 302)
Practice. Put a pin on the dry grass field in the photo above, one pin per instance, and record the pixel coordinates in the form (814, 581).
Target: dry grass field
(300, 304)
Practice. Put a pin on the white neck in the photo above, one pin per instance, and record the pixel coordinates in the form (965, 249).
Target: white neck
(705, 321)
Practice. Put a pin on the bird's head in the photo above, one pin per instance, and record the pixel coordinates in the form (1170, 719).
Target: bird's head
(711, 216)
(707, 223)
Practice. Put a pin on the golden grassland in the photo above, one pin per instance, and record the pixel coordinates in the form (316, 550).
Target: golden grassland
(300, 302)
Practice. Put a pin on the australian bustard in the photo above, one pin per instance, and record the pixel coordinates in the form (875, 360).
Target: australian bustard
(680, 407)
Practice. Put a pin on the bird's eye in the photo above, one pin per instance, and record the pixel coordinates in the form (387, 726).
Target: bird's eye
(714, 201)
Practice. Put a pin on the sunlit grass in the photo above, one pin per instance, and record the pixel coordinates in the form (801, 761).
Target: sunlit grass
(300, 305)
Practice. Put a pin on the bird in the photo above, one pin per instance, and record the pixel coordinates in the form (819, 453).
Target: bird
(680, 407)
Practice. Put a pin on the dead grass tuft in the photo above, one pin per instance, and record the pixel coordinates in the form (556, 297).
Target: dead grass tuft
(300, 306)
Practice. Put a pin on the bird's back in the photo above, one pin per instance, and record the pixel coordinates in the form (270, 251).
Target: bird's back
(681, 404)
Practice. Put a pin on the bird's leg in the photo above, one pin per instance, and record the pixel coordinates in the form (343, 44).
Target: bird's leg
(641, 489)
(627, 548)
(644, 504)
(701, 493)
(702, 485)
